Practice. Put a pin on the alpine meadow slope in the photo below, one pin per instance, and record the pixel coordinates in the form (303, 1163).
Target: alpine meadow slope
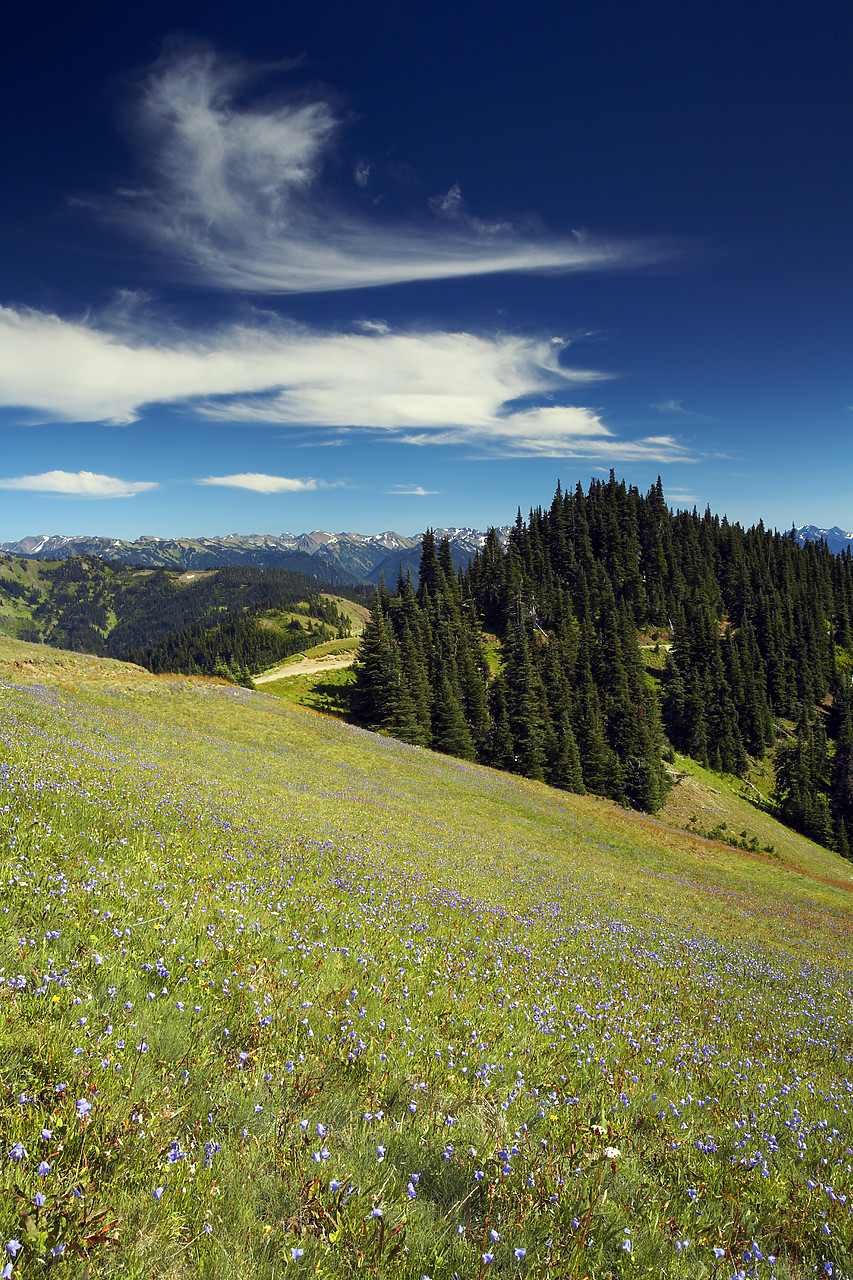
(283, 998)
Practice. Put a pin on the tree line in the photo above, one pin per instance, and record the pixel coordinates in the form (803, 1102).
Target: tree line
(611, 628)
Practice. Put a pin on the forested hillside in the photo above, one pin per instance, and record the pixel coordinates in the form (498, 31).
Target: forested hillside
(244, 643)
(610, 629)
(203, 622)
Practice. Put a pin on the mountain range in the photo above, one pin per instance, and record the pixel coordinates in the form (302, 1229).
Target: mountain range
(835, 538)
(343, 559)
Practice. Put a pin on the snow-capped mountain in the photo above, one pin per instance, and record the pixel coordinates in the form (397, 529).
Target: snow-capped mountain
(835, 538)
(339, 558)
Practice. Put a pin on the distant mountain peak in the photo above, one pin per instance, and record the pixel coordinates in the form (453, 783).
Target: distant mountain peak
(836, 538)
(338, 558)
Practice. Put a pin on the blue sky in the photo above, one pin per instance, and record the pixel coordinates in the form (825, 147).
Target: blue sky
(370, 266)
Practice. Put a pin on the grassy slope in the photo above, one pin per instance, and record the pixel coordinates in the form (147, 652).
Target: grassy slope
(358, 614)
(266, 917)
(322, 690)
(17, 614)
(14, 612)
(326, 691)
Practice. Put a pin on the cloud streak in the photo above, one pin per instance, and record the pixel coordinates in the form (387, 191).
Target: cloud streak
(669, 406)
(236, 198)
(420, 388)
(259, 483)
(676, 407)
(78, 484)
(411, 491)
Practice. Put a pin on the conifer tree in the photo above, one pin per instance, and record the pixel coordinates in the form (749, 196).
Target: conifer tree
(376, 667)
(841, 786)
(499, 750)
(450, 732)
(523, 701)
(430, 576)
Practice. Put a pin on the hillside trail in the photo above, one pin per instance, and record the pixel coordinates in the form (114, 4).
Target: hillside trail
(306, 667)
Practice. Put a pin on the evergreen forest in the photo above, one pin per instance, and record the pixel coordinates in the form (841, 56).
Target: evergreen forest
(232, 621)
(246, 641)
(611, 630)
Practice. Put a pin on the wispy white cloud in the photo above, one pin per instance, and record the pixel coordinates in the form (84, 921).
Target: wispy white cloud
(423, 388)
(236, 199)
(675, 408)
(78, 484)
(669, 406)
(412, 491)
(265, 484)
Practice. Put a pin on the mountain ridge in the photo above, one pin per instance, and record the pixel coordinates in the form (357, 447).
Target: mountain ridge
(836, 538)
(342, 558)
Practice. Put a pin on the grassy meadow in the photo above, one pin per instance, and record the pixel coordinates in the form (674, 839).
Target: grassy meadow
(281, 998)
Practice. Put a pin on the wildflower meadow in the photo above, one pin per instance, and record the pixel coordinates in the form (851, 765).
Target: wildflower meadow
(282, 998)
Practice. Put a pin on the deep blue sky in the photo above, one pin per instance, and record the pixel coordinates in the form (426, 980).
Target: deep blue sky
(372, 265)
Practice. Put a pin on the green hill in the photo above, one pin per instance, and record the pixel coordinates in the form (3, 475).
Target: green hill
(169, 619)
(285, 998)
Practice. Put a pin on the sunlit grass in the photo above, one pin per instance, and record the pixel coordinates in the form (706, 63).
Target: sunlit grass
(283, 998)
(326, 649)
(326, 691)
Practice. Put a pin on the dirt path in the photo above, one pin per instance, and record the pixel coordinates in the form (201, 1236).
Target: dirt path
(307, 667)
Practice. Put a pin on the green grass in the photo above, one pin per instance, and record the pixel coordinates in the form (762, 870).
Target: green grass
(493, 654)
(325, 691)
(227, 921)
(358, 614)
(323, 650)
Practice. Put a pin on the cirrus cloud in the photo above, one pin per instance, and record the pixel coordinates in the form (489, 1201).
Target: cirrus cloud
(235, 198)
(259, 483)
(78, 484)
(411, 491)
